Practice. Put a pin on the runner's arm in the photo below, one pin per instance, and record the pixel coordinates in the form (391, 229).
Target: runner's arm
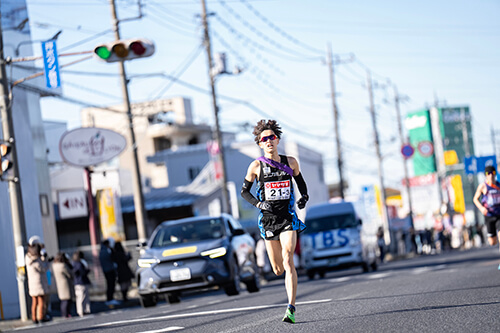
(248, 182)
(477, 195)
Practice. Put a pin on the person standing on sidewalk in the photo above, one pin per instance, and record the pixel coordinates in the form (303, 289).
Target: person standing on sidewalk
(125, 274)
(82, 282)
(38, 285)
(487, 200)
(108, 265)
(63, 274)
(278, 221)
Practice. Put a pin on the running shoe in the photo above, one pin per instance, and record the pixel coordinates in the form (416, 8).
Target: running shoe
(289, 316)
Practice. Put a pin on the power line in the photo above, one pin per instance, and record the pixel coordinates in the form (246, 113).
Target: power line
(278, 30)
(264, 36)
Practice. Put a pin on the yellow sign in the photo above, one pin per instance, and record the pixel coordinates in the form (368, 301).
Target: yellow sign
(110, 214)
(180, 250)
(450, 157)
(459, 202)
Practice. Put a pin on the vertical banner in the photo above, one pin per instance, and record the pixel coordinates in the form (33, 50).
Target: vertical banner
(457, 190)
(110, 214)
(51, 64)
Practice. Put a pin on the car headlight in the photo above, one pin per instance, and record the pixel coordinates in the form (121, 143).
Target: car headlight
(145, 263)
(215, 253)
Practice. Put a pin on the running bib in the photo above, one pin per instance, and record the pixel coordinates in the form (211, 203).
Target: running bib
(279, 190)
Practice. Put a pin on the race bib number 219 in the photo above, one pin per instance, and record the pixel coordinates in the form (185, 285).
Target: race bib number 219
(279, 190)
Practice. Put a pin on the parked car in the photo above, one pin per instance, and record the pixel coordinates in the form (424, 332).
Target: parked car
(196, 253)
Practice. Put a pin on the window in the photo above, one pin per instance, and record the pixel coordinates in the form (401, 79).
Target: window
(193, 172)
(162, 144)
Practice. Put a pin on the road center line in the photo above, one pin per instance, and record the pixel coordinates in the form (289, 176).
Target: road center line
(168, 329)
(207, 313)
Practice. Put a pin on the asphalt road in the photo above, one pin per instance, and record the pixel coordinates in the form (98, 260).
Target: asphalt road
(452, 292)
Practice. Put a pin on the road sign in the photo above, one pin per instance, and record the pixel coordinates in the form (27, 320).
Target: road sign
(476, 164)
(72, 203)
(425, 148)
(484, 161)
(51, 64)
(470, 164)
(407, 150)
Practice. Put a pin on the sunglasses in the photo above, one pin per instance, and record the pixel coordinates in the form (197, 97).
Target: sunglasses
(271, 137)
(490, 172)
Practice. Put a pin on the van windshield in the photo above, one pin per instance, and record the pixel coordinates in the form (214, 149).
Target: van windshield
(342, 221)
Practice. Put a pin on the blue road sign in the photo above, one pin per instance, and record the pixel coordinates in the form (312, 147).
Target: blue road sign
(51, 64)
(476, 164)
(407, 150)
(484, 161)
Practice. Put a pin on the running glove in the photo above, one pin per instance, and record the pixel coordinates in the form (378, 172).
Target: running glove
(264, 205)
(301, 203)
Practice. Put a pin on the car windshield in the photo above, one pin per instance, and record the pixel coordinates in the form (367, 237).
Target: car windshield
(188, 232)
(342, 221)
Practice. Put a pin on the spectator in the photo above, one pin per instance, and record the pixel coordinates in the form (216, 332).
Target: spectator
(125, 274)
(38, 285)
(63, 274)
(82, 283)
(108, 265)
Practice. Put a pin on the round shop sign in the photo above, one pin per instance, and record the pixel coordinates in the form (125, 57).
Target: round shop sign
(425, 148)
(90, 146)
(407, 151)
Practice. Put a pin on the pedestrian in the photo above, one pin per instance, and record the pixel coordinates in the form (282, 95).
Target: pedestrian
(487, 200)
(82, 283)
(381, 243)
(38, 286)
(125, 274)
(278, 221)
(63, 274)
(108, 265)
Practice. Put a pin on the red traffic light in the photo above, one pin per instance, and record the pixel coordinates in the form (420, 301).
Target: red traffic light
(137, 48)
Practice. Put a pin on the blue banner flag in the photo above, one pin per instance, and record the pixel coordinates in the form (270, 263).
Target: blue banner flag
(51, 64)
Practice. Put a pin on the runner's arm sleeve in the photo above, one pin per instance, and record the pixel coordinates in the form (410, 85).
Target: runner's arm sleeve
(301, 184)
(245, 193)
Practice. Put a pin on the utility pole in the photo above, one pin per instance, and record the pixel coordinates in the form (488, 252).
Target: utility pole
(15, 196)
(140, 212)
(385, 215)
(218, 137)
(336, 121)
(405, 161)
(465, 137)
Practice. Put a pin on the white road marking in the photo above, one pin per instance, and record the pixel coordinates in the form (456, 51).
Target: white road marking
(378, 276)
(168, 329)
(206, 313)
(341, 279)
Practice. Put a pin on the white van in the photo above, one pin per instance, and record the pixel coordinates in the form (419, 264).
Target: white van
(334, 238)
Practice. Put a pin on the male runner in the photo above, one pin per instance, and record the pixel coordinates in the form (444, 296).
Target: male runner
(490, 204)
(278, 221)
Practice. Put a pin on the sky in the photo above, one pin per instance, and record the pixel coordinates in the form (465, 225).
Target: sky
(443, 52)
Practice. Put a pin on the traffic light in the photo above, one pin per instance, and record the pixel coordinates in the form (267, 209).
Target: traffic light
(6, 162)
(126, 49)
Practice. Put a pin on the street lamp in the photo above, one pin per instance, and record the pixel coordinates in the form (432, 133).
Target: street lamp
(16, 50)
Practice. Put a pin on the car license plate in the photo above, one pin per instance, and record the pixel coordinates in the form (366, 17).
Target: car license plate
(180, 274)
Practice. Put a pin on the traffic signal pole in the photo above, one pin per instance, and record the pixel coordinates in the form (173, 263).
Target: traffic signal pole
(16, 203)
(140, 212)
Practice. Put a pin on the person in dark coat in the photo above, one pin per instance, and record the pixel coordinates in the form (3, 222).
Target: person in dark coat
(82, 282)
(125, 274)
(108, 262)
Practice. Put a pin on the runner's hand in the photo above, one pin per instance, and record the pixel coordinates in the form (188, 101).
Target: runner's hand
(264, 205)
(301, 203)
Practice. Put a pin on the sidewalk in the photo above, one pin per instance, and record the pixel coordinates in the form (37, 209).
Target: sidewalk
(97, 305)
